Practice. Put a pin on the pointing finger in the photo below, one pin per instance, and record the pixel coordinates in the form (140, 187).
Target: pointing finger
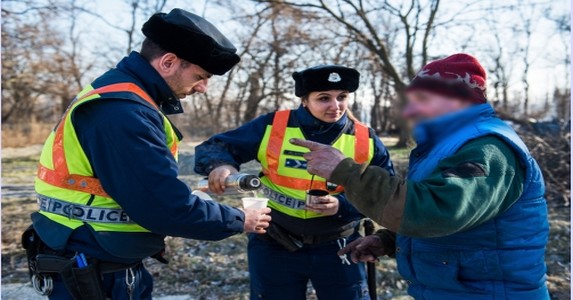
(308, 144)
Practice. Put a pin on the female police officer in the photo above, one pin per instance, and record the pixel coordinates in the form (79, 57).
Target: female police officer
(304, 237)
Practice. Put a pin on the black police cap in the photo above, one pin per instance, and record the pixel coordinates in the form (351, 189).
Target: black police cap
(325, 78)
(192, 38)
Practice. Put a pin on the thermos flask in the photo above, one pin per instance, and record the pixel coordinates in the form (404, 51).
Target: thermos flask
(240, 183)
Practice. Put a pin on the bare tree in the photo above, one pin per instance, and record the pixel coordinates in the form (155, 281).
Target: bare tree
(138, 12)
(387, 41)
(73, 67)
(500, 68)
(358, 18)
(562, 95)
(525, 49)
(35, 65)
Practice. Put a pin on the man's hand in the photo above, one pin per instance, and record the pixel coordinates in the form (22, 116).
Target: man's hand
(256, 220)
(365, 249)
(322, 159)
(324, 205)
(218, 176)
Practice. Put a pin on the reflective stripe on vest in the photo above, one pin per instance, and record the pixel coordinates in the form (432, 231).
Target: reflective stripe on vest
(274, 149)
(84, 213)
(60, 176)
(65, 172)
(284, 168)
(282, 199)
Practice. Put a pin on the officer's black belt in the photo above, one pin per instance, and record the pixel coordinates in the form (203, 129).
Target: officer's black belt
(84, 213)
(346, 231)
(293, 242)
(47, 263)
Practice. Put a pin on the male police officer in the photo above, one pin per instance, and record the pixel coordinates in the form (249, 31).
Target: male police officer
(471, 218)
(107, 181)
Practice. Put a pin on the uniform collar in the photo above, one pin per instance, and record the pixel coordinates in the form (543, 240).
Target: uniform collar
(138, 67)
(311, 124)
(430, 131)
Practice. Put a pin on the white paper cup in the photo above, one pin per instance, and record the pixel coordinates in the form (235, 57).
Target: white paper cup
(253, 202)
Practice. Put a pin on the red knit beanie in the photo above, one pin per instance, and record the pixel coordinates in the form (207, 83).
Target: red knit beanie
(459, 75)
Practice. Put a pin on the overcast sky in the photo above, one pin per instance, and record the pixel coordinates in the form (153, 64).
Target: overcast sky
(547, 48)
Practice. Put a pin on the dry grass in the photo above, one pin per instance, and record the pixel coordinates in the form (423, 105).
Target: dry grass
(25, 134)
(218, 270)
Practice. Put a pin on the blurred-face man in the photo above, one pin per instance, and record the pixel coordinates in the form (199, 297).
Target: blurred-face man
(470, 220)
(423, 105)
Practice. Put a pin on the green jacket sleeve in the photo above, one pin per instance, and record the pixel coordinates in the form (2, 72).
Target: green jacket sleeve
(482, 180)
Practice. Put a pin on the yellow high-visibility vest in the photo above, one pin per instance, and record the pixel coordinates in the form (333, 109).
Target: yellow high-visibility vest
(286, 179)
(68, 192)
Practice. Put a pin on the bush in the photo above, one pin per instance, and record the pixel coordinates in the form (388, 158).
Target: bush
(25, 134)
(553, 154)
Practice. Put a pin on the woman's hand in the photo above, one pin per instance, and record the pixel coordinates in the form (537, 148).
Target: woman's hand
(218, 176)
(324, 205)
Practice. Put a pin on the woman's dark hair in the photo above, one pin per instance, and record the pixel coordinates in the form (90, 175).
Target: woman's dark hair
(351, 116)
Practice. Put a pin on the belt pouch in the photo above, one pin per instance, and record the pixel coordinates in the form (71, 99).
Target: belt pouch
(84, 283)
(281, 236)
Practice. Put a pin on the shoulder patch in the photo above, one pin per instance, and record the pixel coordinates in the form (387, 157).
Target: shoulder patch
(466, 170)
(295, 163)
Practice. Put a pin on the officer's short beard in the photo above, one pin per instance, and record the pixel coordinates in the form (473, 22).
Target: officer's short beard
(175, 83)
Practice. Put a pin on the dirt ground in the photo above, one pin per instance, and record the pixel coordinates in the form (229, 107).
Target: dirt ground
(218, 270)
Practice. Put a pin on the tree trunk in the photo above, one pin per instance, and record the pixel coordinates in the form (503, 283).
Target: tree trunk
(66, 101)
(405, 139)
(356, 108)
(375, 116)
(385, 115)
(254, 97)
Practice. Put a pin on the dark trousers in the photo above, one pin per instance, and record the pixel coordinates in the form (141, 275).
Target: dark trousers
(278, 274)
(114, 286)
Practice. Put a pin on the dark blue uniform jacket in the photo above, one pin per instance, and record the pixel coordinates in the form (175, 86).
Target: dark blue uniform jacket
(125, 144)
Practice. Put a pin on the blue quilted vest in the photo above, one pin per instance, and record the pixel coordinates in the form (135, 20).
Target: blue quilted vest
(500, 259)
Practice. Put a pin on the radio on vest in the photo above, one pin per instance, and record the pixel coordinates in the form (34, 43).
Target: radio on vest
(236, 183)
